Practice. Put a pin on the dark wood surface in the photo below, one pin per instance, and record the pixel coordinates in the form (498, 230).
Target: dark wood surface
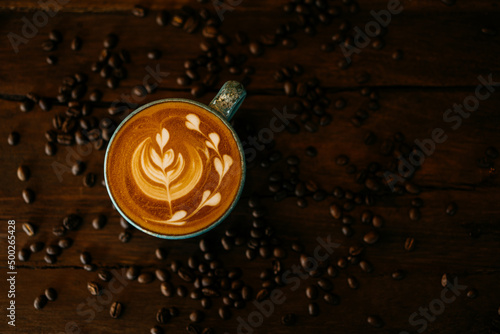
(444, 53)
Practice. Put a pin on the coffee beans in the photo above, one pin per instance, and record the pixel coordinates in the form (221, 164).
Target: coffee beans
(28, 196)
(94, 288)
(224, 313)
(23, 173)
(85, 258)
(352, 282)
(115, 310)
(89, 180)
(451, 209)
(145, 278)
(29, 229)
(289, 319)
(375, 321)
(163, 315)
(313, 309)
(72, 222)
(331, 298)
(371, 237)
(410, 244)
(40, 302)
(196, 316)
(13, 138)
(99, 222)
(414, 214)
(312, 292)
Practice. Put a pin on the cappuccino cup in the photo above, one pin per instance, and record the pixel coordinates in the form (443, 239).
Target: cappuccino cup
(175, 168)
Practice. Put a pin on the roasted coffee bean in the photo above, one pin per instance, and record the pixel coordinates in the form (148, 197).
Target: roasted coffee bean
(26, 106)
(336, 211)
(371, 237)
(167, 289)
(162, 18)
(162, 275)
(181, 291)
(312, 292)
(29, 229)
(377, 221)
(262, 295)
(156, 330)
(397, 55)
(72, 222)
(325, 284)
(160, 253)
(331, 298)
(50, 259)
(313, 309)
(198, 90)
(163, 315)
(451, 209)
(55, 36)
(85, 258)
(89, 180)
(94, 288)
(115, 310)
(62, 139)
(40, 302)
(51, 60)
(124, 236)
(196, 316)
(78, 167)
(132, 273)
(104, 275)
(145, 278)
(185, 274)
(174, 311)
(472, 293)
(50, 149)
(90, 267)
(375, 321)
(398, 275)
(256, 48)
(414, 214)
(13, 138)
(51, 294)
(289, 319)
(76, 43)
(410, 244)
(59, 230)
(352, 282)
(99, 222)
(65, 243)
(24, 254)
(49, 46)
(28, 196)
(53, 250)
(447, 280)
(36, 246)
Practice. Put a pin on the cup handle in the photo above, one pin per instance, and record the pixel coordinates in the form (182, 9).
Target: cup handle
(229, 99)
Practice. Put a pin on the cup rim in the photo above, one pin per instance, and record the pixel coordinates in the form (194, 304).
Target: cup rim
(229, 209)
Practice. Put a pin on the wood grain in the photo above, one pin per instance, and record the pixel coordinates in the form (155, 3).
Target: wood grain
(444, 53)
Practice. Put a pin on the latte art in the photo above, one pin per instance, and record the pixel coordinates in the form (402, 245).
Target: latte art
(174, 168)
(165, 175)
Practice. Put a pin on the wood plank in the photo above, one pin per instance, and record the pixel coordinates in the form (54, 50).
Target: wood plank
(429, 54)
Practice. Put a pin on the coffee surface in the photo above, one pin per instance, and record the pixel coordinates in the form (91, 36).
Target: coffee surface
(174, 168)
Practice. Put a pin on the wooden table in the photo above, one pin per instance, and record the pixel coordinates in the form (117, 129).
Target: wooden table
(445, 49)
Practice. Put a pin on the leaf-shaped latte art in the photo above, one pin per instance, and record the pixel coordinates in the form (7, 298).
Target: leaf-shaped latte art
(215, 140)
(166, 175)
(193, 122)
(218, 166)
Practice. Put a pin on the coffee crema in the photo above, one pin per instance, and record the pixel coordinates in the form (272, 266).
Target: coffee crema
(174, 168)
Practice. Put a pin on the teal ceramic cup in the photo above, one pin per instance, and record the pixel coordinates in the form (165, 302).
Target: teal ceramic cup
(223, 106)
